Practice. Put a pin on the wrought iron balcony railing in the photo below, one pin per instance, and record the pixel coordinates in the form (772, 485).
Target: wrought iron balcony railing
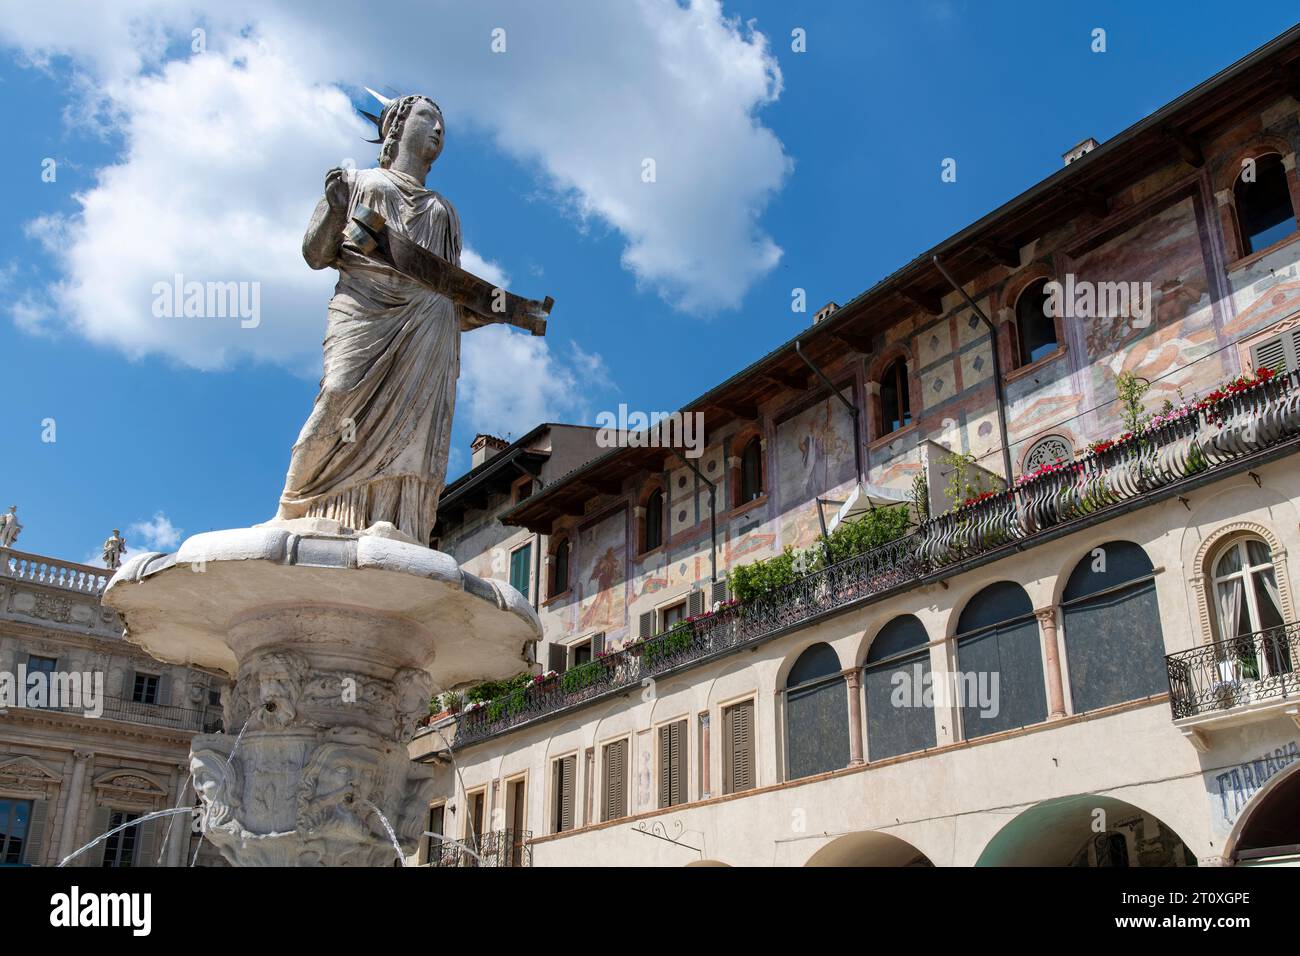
(498, 848)
(1181, 447)
(1247, 669)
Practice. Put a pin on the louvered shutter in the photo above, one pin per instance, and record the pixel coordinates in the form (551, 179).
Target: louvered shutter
(35, 833)
(565, 772)
(646, 626)
(665, 767)
(1280, 352)
(695, 606)
(672, 785)
(615, 780)
(128, 684)
(557, 658)
(720, 592)
(597, 644)
(164, 690)
(739, 728)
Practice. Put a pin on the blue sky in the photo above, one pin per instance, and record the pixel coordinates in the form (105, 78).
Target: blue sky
(775, 170)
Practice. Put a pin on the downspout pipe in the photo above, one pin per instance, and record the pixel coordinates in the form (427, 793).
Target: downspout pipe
(999, 398)
(853, 409)
(713, 521)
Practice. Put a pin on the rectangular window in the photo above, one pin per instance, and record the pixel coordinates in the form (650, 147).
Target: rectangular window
(738, 747)
(477, 818)
(564, 790)
(15, 823)
(672, 615)
(119, 849)
(672, 764)
(521, 563)
(42, 665)
(145, 690)
(581, 653)
(517, 814)
(614, 764)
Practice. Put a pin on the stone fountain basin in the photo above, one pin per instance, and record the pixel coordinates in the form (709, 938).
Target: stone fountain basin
(225, 594)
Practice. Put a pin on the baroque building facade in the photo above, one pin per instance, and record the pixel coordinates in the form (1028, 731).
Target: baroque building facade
(72, 769)
(1083, 654)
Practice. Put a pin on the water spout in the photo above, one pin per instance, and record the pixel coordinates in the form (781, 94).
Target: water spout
(117, 829)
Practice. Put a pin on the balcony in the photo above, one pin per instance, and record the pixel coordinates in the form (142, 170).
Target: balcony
(135, 712)
(1227, 681)
(499, 848)
(81, 578)
(1230, 432)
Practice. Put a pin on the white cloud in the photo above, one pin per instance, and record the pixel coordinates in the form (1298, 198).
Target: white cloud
(155, 534)
(224, 153)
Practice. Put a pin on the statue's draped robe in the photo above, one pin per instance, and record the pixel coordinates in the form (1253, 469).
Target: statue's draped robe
(375, 447)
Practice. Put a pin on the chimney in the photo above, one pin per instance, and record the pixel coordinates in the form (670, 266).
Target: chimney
(825, 312)
(485, 447)
(1074, 152)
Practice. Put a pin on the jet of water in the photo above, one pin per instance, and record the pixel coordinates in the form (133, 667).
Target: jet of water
(117, 829)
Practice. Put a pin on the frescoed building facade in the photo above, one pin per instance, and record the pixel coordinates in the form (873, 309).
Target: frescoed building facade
(1121, 621)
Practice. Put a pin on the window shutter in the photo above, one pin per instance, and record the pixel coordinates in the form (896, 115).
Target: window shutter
(695, 605)
(35, 831)
(615, 789)
(164, 689)
(720, 592)
(128, 684)
(566, 769)
(1280, 352)
(672, 786)
(556, 658)
(665, 767)
(738, 774)
(597, 644)
(646, 626)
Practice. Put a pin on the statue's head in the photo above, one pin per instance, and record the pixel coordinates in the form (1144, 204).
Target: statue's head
(410, 124)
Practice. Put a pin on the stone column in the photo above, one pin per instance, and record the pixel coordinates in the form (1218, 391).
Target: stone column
(177, 826)
(72, 803)
(1052, 661)
(853, 682)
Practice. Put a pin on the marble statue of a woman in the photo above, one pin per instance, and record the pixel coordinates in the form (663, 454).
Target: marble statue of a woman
(375, 446)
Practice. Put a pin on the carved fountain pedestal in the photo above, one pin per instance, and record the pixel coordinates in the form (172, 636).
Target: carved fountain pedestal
(335, 641)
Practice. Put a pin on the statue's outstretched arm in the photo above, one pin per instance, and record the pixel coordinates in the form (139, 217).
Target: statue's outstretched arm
(324, 236)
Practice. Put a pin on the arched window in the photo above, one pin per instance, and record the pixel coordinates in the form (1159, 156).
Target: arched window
(1000, 662)
(1035, 329)
(816, 714)
(560, 568)
(1048, 451)
(751, 471)
(1248, 610)
(895, 676)
(654, 520)
(895, 402)
(1113, 641)
(1265, 214)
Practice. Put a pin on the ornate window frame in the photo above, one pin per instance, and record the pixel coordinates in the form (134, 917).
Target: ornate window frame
(1209, 550)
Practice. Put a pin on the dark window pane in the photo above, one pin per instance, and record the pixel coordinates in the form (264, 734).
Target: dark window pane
(751, 471)
(898, 720)
(562, 567)
(1115, 647)
(654, 520)
(1264, 208)
(1035, 329)
(895, 402)
(817, 729)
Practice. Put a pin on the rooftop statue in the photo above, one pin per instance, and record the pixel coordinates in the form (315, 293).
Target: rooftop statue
(375, 446)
